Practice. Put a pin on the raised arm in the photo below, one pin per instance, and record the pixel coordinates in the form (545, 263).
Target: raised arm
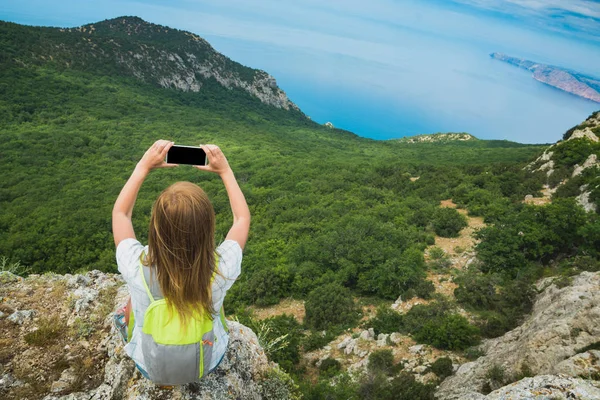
(123, 208)
(241, 214)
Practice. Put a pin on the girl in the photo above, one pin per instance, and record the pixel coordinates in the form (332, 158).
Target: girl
(180, 269)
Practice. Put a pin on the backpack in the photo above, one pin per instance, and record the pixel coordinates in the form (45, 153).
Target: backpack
(174, 356)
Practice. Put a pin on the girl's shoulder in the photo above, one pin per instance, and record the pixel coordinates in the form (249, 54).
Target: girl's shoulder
(230, 259)
(129, 253)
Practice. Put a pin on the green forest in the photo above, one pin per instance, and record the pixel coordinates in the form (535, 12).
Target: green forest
(338, 221)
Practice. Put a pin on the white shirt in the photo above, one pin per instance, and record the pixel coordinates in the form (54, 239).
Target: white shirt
(128, 261)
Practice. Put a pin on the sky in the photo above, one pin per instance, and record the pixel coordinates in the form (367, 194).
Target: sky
(382, 68)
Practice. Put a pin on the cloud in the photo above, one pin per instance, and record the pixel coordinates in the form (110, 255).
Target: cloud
(582, 16)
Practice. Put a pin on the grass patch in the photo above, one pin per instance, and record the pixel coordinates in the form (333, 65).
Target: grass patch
(48, 331)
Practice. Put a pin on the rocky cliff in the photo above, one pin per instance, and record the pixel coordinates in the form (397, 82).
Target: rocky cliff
(58, 342)
(560, 78)
(558, 341)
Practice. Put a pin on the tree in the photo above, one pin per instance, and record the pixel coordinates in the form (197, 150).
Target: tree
(447, 222)
(330, 305)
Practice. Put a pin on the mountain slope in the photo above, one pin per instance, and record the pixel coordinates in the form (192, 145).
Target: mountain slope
(131, 46)
(572, 166)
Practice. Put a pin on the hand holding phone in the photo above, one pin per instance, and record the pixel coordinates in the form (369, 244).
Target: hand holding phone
(217, 160)
(189, 155)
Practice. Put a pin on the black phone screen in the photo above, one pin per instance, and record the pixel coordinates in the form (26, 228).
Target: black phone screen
(186, 155)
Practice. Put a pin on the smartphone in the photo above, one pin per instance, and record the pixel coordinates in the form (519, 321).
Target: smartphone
(186, 155)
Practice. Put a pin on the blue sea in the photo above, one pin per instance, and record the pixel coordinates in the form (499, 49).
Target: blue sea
(470, 93)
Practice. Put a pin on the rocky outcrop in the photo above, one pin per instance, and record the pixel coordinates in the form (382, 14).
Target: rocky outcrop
(58, 342)
(546, 387)
(438, 137)
(564, 321)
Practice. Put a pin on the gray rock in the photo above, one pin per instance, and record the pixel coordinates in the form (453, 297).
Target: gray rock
(545, 387)
(365, 335)
(67, 378)
(563, 321)
(382, 339)
(84, 297)
(76, 281)
(344, 343)
(350, 347)
(18, 317)
(416, 349)
(420, 369)
(396, 337)
(584, 199)
(8, 381)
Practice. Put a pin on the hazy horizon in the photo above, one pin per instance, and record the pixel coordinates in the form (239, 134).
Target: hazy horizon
(387, 69)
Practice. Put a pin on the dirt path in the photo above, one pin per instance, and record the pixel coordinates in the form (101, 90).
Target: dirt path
(287, 306)
(460, 250)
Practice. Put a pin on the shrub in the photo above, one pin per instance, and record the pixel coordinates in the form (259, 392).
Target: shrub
(315, 340)
(382, 361)
(330, 367)
(49, 330)
(386, 320)
(442, 367)
(330, 305)
(496, 378)
(451, 332)
(447, 222)
(574, 151)
(477, 291)
(435, 253)
(406, 387)
(284, 334)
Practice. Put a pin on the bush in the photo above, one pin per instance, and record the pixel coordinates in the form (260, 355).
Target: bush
(436, 253)
(442, 367)
(284, 326)
(447, 222)
(576, 151)
(345, 388)
(315, 340)
(386, 320)
(330, 305)
(330, 367)
(382, 361)
(477, 291)
(47, 333)
(450, 332)
(406, 387)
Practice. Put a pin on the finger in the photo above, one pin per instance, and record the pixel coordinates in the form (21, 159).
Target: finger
(203, 167)
(208, 150)
(165, 149)
(165, 165)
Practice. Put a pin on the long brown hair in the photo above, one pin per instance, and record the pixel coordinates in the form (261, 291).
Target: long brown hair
(181, 245)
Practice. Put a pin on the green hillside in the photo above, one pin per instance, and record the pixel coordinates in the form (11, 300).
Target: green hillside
(330, 209)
